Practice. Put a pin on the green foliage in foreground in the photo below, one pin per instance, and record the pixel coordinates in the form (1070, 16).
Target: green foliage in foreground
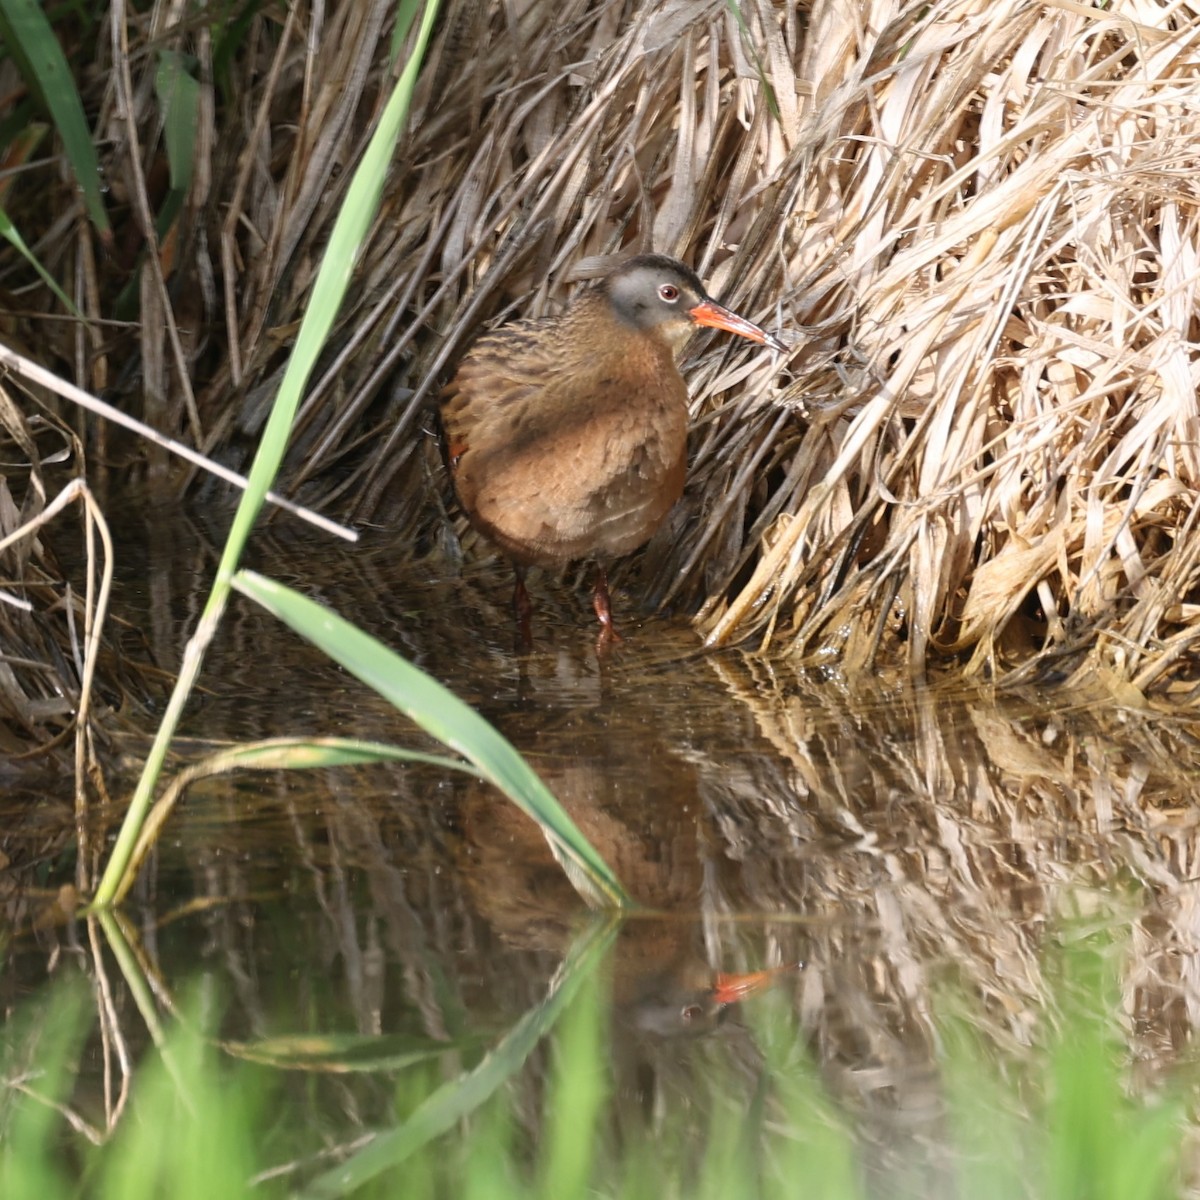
(442, 715)
(1060, 1126)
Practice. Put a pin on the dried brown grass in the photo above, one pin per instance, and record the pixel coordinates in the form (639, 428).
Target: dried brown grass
(1007, 281)
(981, 213)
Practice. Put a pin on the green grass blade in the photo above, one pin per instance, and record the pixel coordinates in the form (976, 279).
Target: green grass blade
(346, 1053)
(133, 969)
(575, 1100)
(329, 289)
(454, 1100)
(751, 49)
(31, 41)
(440, 713)
(179, 97)
(189, 1134)
(44, 1043)
(272, 754)
(1102, 1144)
(406, 14)
(307, 753)
(10, 232)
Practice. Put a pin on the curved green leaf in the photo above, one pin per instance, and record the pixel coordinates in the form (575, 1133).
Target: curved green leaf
(440, 713)
(10, 232)
(456, 1099)
(346, 1053)
(35, 49)
(179, 96)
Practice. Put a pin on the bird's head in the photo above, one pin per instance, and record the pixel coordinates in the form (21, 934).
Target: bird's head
(659, 295)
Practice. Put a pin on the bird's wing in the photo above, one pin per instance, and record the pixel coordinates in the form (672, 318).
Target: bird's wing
(518, 398)
(503, 375)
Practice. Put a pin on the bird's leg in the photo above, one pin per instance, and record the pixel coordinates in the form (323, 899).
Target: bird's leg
(603, 608)
(523, 611)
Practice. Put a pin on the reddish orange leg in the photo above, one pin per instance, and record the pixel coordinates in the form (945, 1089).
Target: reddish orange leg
(603, 609)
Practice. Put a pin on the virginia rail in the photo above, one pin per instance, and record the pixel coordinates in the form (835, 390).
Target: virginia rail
(566, 437)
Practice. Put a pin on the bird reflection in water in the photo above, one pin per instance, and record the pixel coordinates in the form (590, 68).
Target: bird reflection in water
(689, 999)
(662, 981)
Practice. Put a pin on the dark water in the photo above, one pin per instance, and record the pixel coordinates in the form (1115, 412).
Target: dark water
(894, 839)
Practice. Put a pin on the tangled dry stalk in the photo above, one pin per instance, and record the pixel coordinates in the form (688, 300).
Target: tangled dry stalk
(981, 214)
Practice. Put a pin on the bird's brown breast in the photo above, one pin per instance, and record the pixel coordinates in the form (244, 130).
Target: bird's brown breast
(566, 440)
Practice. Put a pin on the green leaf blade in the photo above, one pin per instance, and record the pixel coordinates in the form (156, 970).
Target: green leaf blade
(30, 38)
(441, 714)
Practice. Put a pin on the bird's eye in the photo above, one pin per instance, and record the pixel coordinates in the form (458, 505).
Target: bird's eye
(668, 292)
(691, 1012)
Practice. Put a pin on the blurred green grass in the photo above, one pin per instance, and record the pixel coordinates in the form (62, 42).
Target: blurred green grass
(1059, 1125)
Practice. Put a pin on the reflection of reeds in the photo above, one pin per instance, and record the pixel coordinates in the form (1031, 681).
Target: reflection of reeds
(902, 843)
(889, 838)
(959, 831)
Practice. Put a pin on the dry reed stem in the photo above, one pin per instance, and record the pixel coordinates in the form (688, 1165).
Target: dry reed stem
(47, 670)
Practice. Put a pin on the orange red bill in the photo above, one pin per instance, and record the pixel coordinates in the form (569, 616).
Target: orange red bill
(717, 316)
(729, 989)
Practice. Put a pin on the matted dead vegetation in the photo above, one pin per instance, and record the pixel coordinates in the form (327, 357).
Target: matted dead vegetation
(982, 214)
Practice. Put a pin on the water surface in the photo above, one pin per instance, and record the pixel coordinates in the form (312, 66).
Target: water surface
(898, 841)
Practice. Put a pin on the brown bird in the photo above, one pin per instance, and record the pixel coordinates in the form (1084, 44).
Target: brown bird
(566, 437)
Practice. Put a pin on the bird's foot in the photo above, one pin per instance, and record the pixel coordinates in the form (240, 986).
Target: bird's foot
(606, 639)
